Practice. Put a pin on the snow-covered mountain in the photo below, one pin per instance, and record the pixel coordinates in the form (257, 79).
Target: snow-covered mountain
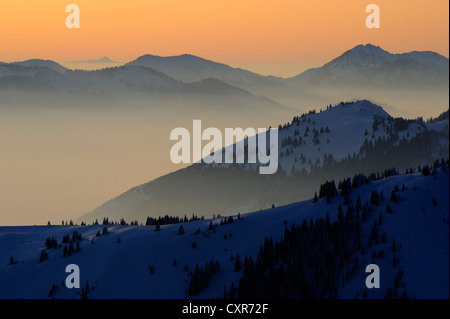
(339, 141)
(37, 63)
(405, 232)
(372, 67)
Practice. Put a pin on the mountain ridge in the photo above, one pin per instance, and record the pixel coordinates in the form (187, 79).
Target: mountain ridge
(42, 63)
(344, 133)
(105, 59)
(359, 54)
(365, 71)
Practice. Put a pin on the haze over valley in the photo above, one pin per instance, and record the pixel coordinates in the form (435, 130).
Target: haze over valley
(72, 140)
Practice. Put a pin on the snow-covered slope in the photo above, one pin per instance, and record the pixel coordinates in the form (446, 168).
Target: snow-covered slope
(418, 224)
(345, 135)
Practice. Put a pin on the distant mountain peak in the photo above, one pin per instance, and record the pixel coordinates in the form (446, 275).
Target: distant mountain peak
(369, 49)
(186, 57)
(190, 68)
(42, 63)
(370, 66)
(105, 60)
(368, 46)
(373, 54)
(101, 60)
(362, 54)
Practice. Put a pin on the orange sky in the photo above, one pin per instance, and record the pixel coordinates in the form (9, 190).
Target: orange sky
(240, 32)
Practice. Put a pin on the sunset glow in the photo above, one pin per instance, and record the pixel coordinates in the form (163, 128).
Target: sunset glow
(253, 34)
